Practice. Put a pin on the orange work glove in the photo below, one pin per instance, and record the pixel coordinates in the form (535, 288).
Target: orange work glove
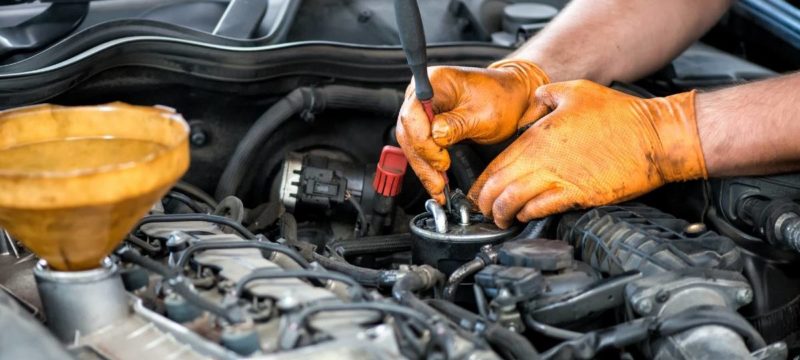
(599, 146)
(484, 105)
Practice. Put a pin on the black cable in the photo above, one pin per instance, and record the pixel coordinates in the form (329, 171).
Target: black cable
(195, 192)
(183, 199)
(362, 219)
(211, 245)
(219, 220)
(177, 282)
(299, 322)
(267, 273)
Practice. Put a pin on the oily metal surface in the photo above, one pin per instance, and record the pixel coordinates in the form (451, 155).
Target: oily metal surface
(478, 230)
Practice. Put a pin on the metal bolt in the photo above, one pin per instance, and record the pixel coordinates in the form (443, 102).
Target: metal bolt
(644, 306)
(198, 137)
(744, 296)
(695, 228)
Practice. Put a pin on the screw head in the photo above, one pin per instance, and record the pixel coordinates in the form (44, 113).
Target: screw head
(744, 296)
(644, 306)
(197, 136)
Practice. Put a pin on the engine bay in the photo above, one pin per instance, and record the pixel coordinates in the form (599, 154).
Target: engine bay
(299, 231)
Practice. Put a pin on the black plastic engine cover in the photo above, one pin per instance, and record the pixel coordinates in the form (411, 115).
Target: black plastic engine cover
(619, 238)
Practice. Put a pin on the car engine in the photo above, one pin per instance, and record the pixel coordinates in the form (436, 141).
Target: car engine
(298, 230)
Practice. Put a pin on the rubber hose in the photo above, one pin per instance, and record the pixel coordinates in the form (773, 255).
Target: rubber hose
(306, 98)
(195, 192)
(244, 244)
(261, 130)
(219, 220)
(403, 291)
(512, 345)
(268, 273)
(362, 275)
(373, 244)
(379, 101)
(464, 271)
(185, 200)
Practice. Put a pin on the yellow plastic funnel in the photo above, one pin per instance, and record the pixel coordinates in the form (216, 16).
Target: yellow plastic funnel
(74, 180)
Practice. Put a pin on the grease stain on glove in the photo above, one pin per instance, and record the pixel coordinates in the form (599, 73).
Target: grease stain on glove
(598, 147)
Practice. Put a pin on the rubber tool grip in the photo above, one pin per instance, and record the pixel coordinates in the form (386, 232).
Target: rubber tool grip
(412, 36)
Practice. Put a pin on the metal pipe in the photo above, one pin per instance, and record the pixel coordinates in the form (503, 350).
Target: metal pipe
(439, 215)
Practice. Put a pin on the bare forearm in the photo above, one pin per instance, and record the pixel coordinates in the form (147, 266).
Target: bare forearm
(751, 129)
(606, 40)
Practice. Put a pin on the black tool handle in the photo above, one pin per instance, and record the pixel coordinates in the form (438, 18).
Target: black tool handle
(412, 36)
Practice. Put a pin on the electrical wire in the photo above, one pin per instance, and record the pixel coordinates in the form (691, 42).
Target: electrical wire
(362, 219)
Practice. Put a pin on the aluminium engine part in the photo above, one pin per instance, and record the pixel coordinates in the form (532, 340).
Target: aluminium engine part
(447, 244)
(81, 302)
(578, 295)
(695, 264)
(673, 292)
(290, 295)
